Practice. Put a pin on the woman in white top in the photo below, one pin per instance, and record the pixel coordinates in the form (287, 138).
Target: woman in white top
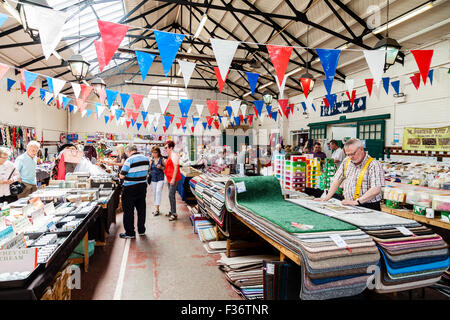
(6, 168)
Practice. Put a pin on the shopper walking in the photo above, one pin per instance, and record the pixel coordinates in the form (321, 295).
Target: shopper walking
(156, 177)
(26, 164)
(8, 175)
(173, 176)
(134, 172)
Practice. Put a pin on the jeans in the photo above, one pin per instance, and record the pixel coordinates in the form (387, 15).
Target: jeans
(172, 193)
(134, 197)
(157, 187)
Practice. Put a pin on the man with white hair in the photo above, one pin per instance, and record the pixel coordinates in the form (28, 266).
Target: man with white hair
(26, 164)
(361, 176)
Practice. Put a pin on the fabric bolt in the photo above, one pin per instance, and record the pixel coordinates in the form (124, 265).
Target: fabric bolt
(374, 177)
(157, 187)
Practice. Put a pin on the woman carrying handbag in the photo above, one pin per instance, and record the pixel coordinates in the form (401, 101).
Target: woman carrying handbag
(156, 177)
(8, 176)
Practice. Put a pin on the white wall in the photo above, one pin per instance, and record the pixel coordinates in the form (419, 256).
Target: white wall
(48, 121)
(427, 107)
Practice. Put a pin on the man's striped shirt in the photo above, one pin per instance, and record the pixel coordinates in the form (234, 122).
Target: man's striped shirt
(135, 169)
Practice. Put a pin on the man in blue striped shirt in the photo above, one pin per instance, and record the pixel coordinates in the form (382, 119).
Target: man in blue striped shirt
(134, 173)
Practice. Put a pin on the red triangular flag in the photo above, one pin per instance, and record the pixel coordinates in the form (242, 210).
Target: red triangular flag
(81, 104)
(209, 120)
(137, 99)
(280, 58)
(250, 119)
(31, 90)
(172, 116)
(283, 105)
(216, 124)
(192, 128)
(423, 60)
(3, 69)
(22, 88)
(101, 95)
(178, 125)
(128, 123)
(291, 106)
(416, 80)
(164, 128)
(220, 81)
(242, 118)
(183, 121)
(134, 115)
(145, 123)
(212, 107)
(100, 54)
(352, 98)
(111, 118)
(112, 35)
(305, 83)
(369, 85)
(129, 112)
(326, 102)
(256, 112)
(85, 91)
(57, 104)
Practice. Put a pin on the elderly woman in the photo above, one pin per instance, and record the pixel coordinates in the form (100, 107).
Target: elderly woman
(8, 175)
(121, 158)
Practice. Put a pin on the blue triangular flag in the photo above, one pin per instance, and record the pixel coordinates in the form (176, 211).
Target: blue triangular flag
(106, 119)
(3, 18)
(71, 107)
(220, 119)
(328, 83)
(111, 97)
(430, 76)
(185, 105)
(195, 120)
(237, 120)
(245, 120)
(144, 60)
(269, 109)
(43, 92)
(168, 44)
(88, 112)
(204, 125)
(396, 86)
(29, 78)
(312, 105)
(258, 106)
(50, 84)
(275, 115)
(144, 115)
(10, 83)
(304, 106)
(329, 59)
(167, 121)
(252, 80)
(386, 84)
(133, 122)
(65, 102)
(118, 113)
(184, 129)
(154, 128)
(138, 125)
(124, 97)
(331, 99)
(229, 110)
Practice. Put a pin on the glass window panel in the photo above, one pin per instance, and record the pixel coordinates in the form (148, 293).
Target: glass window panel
(379, 127)
(366, 127)
(372, 135)
(378, 135)
(372, 127)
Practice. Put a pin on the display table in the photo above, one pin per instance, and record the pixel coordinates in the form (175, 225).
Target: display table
(36, 287)
(187, 173)
(410, 215)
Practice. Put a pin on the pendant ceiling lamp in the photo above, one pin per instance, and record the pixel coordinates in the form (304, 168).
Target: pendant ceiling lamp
(307, 76)
(77, 64)
(27, 20)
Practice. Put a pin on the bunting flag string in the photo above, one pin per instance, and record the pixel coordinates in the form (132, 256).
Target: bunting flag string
(329, 60)
(124, 98)
(279, 55)
(235, 106)
(229, 110)
(258, 107)
(187, 68)
(212, 107)
(415, 79)
(100, 54)
(185, 105)
(386, 84)
(9, 84)
(224, 51)
(145, 61)
(199, 109)
(111, 96)
(221, 81)
(168, 45)
(369, 85)
(163, 104)
(137, 100)
(423, 60)
(252, 80)
(396, 86)
(112, 35)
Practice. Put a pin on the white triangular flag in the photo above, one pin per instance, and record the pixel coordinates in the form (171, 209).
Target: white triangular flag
(224, 51)
(164, 103)
(243, 109)
(309, 103)
(50, 24)
(157, 116)
(281, 88)
(262, 117)
(235, 105)
(199, 109)
(58, 84)
(76, 89)
(187, 68)
(122, 120)
(75, 109)
(99, 109)
(349, 83)
(225, 122)
(375, 61)
(146, 103)
(48, 96)
(151, 117)
(83, 113)
(377, 91)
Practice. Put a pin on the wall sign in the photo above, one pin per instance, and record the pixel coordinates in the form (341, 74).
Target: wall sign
(342, 107)
(426, 139)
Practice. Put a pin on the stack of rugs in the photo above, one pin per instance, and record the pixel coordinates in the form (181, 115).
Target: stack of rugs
(245, 273)
(412, 255)
(282, 280)
(334, 255)
(443, 286)
(221, 246)
(209, 191)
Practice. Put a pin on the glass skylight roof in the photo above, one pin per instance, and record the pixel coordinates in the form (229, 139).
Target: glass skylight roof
(85, 14)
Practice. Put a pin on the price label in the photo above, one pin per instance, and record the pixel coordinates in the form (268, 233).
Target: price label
(240, 187)
(18, 260)
(270, 269)
(339, 241)
(21, 224)
(404, 231)
(49, 209)
(51, 227)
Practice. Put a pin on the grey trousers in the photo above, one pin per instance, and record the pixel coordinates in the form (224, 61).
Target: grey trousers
(172, 193)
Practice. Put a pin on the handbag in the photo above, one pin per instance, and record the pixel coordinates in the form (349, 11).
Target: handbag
(16, 187)
(149, 177)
